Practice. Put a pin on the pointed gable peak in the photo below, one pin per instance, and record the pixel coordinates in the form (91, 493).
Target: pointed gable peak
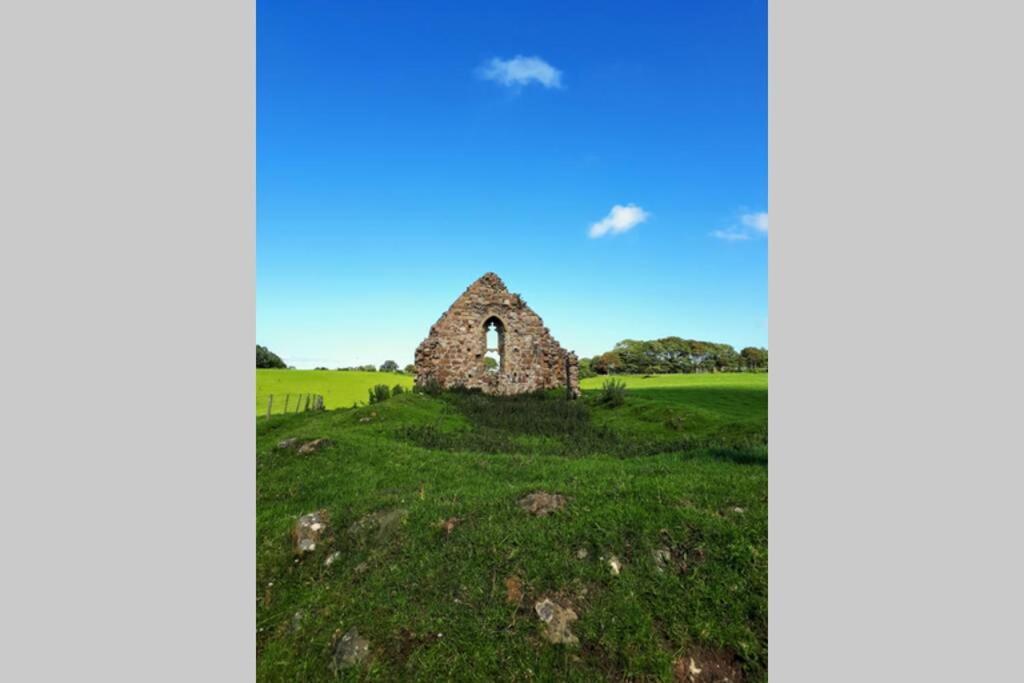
(491, 281)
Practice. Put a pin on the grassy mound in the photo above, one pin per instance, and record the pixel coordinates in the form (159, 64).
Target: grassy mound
(673, 484)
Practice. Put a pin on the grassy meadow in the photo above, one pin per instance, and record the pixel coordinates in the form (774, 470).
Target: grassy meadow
(340, 389)
(673, 484)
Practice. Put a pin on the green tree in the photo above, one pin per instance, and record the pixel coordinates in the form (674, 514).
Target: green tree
(389, 366)
(265, 358)
(754, 358)
(727, 359)
(607, 363)
(410, 369)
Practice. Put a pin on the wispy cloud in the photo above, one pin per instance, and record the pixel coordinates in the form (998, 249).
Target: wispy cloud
(619, 219)
(520, 71)
(757, 221)
(749, 224)
(730, 235)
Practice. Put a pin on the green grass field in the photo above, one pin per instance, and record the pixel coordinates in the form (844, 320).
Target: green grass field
(339, 389)
(680, 468)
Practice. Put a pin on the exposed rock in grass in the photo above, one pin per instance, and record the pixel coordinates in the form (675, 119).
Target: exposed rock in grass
(662, 558)
(448, 525)
(332, 558)
(297, 619)
(308, 530)
(314, 446)
(381, 522)
(541, 503)
(364, 420)
(582, 554)
(348, 650)
(305, 446)
(615, 565)
(362, 568)
(513, 590)
(557, 620)
(705, 665)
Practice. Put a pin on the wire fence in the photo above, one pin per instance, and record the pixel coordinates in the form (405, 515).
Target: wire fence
(292, 403)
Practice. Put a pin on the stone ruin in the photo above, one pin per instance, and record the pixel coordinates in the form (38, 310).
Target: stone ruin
(489, 322)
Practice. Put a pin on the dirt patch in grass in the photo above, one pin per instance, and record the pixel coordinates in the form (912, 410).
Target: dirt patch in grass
(513, 590)
(707, 665)
(409, 642)
(681, 554)
(541, 503)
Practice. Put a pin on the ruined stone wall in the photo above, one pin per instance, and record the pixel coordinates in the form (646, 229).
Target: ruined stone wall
(531, 359)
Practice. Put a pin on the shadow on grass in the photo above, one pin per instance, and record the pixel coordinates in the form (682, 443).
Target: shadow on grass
(550, 425)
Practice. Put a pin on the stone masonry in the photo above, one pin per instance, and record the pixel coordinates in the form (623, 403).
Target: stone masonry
(530, 359)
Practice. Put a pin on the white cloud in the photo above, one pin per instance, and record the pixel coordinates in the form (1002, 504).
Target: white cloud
(520, 71)
(619, 219)
(730, 235)
(750, 224)
(757, 221)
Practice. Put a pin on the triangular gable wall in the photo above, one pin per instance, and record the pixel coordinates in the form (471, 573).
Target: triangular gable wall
(453, 353)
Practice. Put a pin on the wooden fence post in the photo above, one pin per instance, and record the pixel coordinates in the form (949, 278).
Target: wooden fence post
(286, 397)
(270, 404)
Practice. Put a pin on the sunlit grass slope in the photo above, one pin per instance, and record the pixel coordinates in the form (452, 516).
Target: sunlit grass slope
(680, 468)
(340, 389)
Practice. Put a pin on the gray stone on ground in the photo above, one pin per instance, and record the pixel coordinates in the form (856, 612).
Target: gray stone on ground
(557, 620)
(297, 620)
(541, 503)
(314, 446)
(381, 522)
(662, 558)
(305, 446)
(308, 530)
(349, 650)
(582, 554)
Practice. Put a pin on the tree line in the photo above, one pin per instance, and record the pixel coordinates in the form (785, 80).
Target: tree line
(673, 355)
(628, 357)
(386, 366)
(265, 358)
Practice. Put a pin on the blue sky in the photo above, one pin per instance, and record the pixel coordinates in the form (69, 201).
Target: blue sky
(607, 160)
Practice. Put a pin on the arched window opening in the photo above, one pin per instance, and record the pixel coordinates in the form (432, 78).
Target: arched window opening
(495, 339)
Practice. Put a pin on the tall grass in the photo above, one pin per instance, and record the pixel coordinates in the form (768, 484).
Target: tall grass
(613, 393)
